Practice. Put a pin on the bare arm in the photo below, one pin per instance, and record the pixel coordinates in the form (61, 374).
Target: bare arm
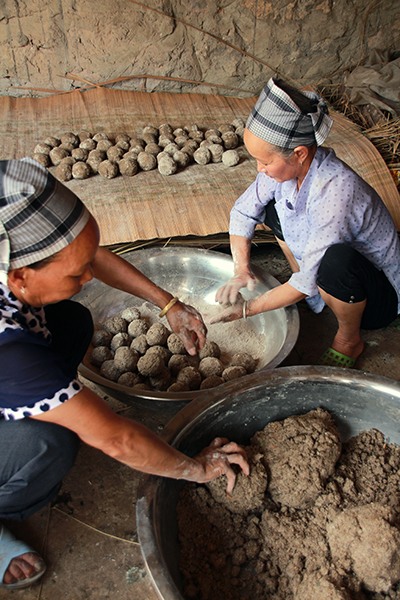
(184, 320)
(243, 277)
(133, 444)
(279, 297)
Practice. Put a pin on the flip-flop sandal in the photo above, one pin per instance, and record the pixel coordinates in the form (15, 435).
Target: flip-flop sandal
(332, 358)
(10, 548)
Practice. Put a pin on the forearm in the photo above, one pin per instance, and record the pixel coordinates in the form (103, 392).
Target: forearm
(120, 274)
(240, 249)
(279, 297)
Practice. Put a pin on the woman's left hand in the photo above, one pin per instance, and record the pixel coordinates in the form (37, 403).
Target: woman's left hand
(188, 324)
(216, 460)
(232, 313)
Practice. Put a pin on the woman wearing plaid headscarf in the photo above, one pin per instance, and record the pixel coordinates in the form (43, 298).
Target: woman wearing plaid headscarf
(339, 238)
(49, 247)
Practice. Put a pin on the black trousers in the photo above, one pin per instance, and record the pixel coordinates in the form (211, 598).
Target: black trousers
(347, 275)
(36, 455)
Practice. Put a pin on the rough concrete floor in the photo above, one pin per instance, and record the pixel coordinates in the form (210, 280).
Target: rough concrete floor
(88, 537)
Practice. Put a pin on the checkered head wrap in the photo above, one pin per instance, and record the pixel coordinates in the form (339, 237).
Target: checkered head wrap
(39, 216)
(277, 119)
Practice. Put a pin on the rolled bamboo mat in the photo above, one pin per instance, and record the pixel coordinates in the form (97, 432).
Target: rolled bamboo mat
(194, 201)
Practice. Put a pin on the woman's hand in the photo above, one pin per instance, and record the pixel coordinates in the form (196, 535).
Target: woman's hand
(228, 293)
(216, 460)
(188, 324)
(232, 313)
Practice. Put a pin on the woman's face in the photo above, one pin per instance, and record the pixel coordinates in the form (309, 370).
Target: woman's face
(65, 275)
(272, 164)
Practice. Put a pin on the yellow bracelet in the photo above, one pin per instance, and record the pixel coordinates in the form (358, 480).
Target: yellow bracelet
(169, 305)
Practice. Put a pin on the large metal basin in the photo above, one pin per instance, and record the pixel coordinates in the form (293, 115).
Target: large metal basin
(198, 274)
(357, 401)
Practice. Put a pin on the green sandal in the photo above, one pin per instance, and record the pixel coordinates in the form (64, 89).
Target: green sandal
(332, 358)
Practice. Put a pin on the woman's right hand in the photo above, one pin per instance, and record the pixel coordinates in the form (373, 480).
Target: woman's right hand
(228, 293)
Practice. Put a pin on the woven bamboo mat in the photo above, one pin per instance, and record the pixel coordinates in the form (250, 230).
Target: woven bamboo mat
(194, 201)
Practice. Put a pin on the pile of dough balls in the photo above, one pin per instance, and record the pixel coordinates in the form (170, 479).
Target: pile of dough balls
(130, 352)
(78, 156)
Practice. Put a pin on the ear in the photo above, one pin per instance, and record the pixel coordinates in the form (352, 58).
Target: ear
(17, 278)
(301, 153)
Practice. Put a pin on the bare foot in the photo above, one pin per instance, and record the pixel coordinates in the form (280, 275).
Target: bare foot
(352, 350)
(22, 567)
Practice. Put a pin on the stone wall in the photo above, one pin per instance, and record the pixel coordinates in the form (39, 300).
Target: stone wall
(100, 40)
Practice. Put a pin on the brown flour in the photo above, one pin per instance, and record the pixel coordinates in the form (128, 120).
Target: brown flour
(327, 531)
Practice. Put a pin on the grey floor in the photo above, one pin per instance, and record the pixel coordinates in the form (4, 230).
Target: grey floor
(88, 536)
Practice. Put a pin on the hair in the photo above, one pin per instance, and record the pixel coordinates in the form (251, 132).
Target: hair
(304, 103)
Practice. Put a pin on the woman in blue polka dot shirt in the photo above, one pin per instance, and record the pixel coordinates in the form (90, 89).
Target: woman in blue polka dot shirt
(334, 229)
(49, 247)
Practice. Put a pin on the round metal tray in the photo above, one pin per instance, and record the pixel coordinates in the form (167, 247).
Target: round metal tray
(357, 401)
(194, 273)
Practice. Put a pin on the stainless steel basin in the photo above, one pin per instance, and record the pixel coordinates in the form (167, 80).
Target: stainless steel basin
(357, 401)
(193, 273)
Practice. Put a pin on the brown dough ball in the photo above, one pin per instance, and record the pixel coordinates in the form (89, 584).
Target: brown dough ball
(115, 153)
(209, 349)
(212, 132)
(178, 387)
(216, 151)
(109, 370)
(125, 359)
(150, 129)
(162, 381)
(202, 156)
(210, 366)
(123, 145)
(101, 338)
(68, 160)
(238, 123)
(165, 140)
(138, 148)
(56, 155)
(157, 335)
(130, 314)
(122, 137)
(181, 158)
(84, 135)
(140, 344)
(95, 159)
(206, 144)
(149, 138)
(233, 373)
(42, 148)
(146, 161)
(99, 355)
(67, 146)
(165, 128)
(150, 364)
(211, 382)
(142, 386)
(129, 379)
(161, 351)
(128, 167)
(190, 376)
(100, 136)
(52, 141)
(42, 159)
(69, 138)
(175, 345)
(230, 140)
(176, 363)
(63, 172)
(137, 327)
(118, 340)
(81, 170)
(108, 169)
(79, 154)
(104, 145)
(115, 325)
(167, 165)
(153, 148)
(191, 127)
(225, 127)
(242, 359)
(131, 155)
(240, 133)
(181, 140)
(171, 148)
(230, 158)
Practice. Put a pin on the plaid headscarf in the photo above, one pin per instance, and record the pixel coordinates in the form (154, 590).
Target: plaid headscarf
(277, 119)
(39, 216)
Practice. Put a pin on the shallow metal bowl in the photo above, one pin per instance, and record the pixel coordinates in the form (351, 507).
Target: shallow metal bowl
(195, 273)
(357, 401)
